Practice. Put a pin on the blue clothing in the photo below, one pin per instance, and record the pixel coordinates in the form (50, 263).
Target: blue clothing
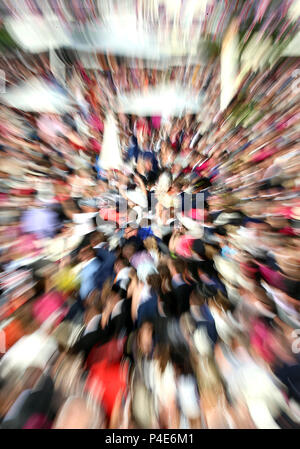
(290, 376)
(214, 172)
(143, 233)
(208, 323)
(227, 252)
(218, 285)
(177, 280)
(147, 310)
(17, 406)
(151, 156)
(88, 278)
(107, 259)
(133, 151)
(250, 220)
(135, 240)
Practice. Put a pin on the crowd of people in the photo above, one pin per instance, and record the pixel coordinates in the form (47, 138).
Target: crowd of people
(163, 294)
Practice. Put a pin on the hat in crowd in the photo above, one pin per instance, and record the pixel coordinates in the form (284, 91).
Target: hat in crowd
(193, 225)
(144, 270)
(184, 247)
(137, 197)
(227, 218)
(205, 290)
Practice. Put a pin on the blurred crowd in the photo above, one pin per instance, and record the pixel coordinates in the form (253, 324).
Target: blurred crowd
(163, 294)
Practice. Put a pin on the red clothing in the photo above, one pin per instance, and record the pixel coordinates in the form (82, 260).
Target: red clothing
(187, 170)
(264, 154)
(96, 123)
(143, 126)
(95, 145)
(203, 166)
(20, 192)
(13, 332)
(287, 231)
(111, 379)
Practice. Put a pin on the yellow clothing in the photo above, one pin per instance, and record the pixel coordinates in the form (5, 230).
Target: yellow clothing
(66, 279)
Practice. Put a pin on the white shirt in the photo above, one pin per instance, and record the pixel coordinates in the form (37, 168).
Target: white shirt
(31, 350)
(188, 397)
(117, 309)
(93, 324)
(84, 223)
(123, 276)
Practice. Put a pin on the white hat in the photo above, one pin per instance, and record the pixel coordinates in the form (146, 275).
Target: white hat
(224, 218)
(144, 270)
(163, 183)
(136, 196)
(193, 226)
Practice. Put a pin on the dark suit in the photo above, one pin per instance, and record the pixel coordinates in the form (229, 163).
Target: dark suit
(114, 327)
(108, 259)
(182, 296)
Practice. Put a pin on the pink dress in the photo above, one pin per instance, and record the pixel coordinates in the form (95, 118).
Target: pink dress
(47, 305)
(272, 277)
(262, 341)
(156, 121)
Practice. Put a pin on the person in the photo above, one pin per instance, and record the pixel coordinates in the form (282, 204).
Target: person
(115, 320)
(77, 413)
(181, 286)
(201, 306)
(33, 410)
(122, 271)
(88, 280)
(201, 314)
(106, 257)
